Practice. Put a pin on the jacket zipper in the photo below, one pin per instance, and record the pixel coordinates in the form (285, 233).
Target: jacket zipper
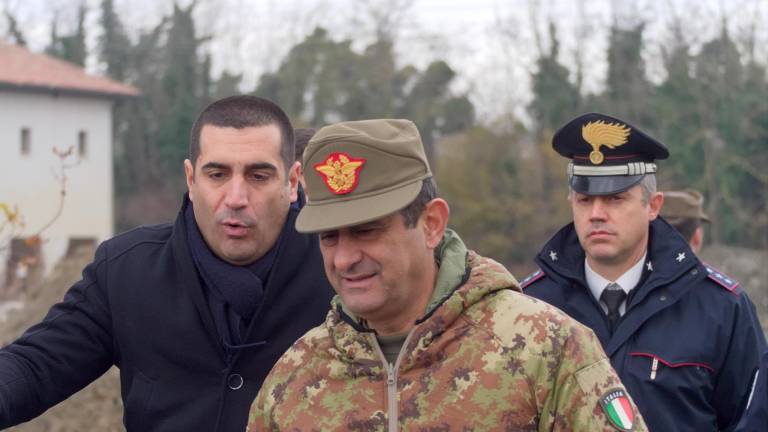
(392, 412)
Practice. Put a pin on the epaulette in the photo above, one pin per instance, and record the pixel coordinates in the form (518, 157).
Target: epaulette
(721, 279)
(533, 277)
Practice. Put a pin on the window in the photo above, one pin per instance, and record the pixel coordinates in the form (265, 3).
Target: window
(82, 144)
(26, 144)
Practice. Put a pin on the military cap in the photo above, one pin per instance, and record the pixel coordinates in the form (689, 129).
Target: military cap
(360, 171)
(608, 155)
(683, 204)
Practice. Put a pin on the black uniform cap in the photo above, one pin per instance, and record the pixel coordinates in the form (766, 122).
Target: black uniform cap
(607, 155)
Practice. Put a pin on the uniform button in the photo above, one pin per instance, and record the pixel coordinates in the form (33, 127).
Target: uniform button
(695, 272)
(663, 298)
(235, 381)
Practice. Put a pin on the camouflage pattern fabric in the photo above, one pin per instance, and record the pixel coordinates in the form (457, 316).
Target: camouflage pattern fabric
(489, 358)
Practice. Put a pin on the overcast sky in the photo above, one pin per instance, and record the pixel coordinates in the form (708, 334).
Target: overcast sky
(492, 44)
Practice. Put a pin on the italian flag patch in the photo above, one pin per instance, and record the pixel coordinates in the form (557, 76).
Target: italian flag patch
(616, 405)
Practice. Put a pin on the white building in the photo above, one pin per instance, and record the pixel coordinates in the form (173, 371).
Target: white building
(49, 105)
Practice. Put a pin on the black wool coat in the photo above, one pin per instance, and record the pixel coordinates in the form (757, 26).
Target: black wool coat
(141, 307)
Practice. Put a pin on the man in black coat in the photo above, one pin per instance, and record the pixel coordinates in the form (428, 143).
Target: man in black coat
(196, 312)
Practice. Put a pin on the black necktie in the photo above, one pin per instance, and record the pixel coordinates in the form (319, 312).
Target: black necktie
(612, 296)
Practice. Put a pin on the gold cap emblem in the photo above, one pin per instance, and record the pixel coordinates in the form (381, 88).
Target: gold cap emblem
(599, 133)
(340, 172)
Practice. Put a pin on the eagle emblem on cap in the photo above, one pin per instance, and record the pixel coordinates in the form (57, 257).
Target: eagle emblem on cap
(340, 172)
(599, 133)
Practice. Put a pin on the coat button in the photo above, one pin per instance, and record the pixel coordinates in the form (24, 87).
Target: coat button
(235, 381)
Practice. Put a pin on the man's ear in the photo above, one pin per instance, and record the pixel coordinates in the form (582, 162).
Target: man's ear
(434, 220)
(189, 174)
(655, 202)
(697, 240)
(293, 180)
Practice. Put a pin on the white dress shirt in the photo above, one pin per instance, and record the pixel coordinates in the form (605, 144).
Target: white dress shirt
(627, 282)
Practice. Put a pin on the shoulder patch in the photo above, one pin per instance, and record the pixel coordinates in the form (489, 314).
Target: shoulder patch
(618, 409)
(721, 279)
(533, 277)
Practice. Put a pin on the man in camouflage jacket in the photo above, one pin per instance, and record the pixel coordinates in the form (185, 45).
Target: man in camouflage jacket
(424, 334)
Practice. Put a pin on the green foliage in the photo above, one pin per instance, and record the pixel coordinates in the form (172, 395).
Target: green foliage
(152, 132)
(114, 45)
(710, 111)
(228, 84)
(507, 189)
(712, 115)
(322, 81)
(70, 47)
(506, 194)
(17, 36)
(555, 98)
(181, 93)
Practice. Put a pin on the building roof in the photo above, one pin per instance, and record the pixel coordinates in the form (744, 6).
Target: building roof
(23, 70)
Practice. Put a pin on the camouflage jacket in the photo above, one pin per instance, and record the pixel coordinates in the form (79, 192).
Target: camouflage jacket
(485, 358)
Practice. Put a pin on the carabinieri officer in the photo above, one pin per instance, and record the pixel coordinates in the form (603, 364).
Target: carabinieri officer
(683, 337)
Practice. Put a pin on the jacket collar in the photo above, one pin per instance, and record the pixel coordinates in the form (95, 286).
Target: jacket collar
(670, 259)
(668, 253)
(451, 258)
(462, 286)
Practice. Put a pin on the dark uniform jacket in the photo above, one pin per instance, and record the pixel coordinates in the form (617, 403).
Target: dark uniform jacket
(756, 417)
(141, 307)
(689, 343)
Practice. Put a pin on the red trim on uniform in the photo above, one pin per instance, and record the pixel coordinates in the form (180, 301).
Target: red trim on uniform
(610, 157)
(730, 288)
(533, 279)
(670, 364)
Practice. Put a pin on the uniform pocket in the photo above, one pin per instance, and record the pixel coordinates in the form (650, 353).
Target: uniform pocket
(663, 370)
(138, 402)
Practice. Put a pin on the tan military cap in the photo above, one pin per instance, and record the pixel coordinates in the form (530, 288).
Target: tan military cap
(360, 171)
(683, 204)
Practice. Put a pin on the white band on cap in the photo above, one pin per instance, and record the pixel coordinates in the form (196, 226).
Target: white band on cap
(632, 168)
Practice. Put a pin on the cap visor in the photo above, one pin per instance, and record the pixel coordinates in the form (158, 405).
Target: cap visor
(335, 214)
(603, 185)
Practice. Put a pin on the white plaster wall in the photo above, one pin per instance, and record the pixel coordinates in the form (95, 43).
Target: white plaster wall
(28, 181)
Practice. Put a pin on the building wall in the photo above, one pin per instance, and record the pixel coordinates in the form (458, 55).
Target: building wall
(29, 181)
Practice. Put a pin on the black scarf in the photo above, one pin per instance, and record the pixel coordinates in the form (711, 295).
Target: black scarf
(234, 292)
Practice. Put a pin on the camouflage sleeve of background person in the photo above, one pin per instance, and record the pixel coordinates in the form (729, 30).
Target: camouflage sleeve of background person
(579, 388)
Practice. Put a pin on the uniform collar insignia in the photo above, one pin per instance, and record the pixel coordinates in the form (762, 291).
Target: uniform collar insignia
(553, 256)
(680, 257)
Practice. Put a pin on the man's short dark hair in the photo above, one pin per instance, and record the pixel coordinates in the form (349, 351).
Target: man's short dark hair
(240, 112)
(301, 138)
(412, 212)
(686, 227)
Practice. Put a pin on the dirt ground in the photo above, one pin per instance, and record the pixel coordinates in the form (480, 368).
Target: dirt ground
(98, 407)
